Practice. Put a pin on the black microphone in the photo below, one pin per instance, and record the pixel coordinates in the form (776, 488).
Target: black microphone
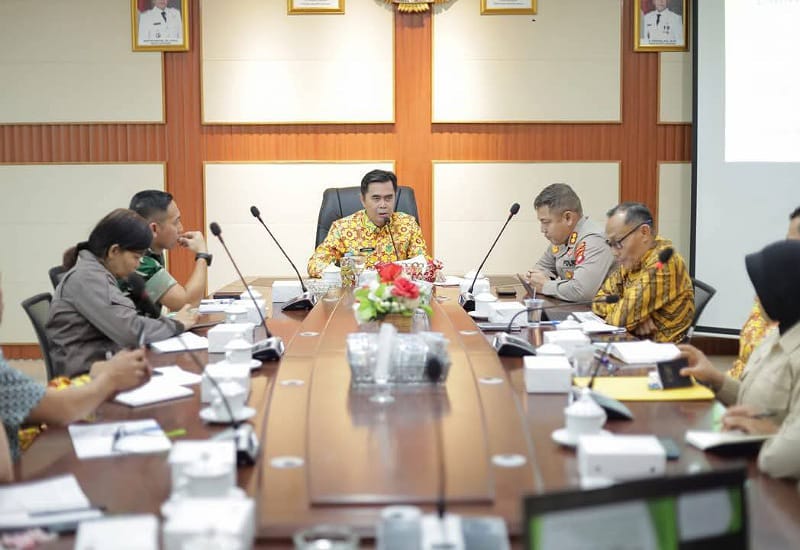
(138, 294)
(306, 300)
(272, 347)
(663, 257)
(466, 299)
(243, 436)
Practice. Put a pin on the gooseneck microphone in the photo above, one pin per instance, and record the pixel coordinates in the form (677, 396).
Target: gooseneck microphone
(466, 299)
(663, 257)
(306, 300)
(271, 348)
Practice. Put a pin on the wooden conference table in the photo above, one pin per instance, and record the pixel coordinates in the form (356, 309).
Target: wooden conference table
(360, 455)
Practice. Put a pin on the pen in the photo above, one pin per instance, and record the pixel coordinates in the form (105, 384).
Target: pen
(765, 414)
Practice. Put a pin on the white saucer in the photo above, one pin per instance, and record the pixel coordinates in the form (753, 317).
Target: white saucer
(254, 363)
(208, 414)
(562, 437)
(474, 315)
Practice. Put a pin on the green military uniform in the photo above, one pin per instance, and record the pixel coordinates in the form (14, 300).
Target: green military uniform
(578, 267)
(157, 280)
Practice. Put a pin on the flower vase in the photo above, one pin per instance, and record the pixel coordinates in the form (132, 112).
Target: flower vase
(402, 323)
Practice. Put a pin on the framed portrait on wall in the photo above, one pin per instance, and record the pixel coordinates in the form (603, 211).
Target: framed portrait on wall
(508, 7)
(298, 7)
(660, 25)
(160, 25)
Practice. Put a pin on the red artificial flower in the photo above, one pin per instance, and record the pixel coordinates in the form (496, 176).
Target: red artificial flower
(404, 288)
(389, 272)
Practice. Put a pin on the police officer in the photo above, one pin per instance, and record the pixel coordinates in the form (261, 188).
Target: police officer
(160, 25)
(578, 260)
(662, 26)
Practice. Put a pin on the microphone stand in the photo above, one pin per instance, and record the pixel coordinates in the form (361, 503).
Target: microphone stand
(271, 348)
(243, 435)
(306, 300)
(394, 246)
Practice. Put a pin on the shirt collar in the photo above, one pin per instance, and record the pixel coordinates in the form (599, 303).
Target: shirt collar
(370, 225)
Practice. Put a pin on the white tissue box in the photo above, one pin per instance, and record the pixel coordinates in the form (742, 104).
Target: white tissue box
(252, 312)
(223, 372)
(192, 517)
(220, 335)
(620, 457)
(283, 291)
(547, 374)
(184, 453)
(566, 338)
(502, 312)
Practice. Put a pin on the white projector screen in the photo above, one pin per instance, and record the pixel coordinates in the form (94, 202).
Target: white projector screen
(746, 178)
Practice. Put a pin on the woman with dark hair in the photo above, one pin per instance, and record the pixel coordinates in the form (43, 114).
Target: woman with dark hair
(767, 398)
(90, 317)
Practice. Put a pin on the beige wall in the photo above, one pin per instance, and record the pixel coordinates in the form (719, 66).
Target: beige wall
(675, 204)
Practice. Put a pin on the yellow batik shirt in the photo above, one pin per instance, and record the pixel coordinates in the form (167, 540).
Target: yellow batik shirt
(357, 234)
(666, 296)
(753, 332)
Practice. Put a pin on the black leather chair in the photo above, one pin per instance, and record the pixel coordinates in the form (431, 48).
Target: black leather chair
(55, 274)
(338, 202)
(38, 309)
(703, 292)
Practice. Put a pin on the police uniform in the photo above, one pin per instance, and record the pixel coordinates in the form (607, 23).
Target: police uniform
(160, 27)
(662, 28)
(579, 266)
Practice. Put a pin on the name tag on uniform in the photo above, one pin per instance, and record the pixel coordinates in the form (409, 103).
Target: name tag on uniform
(367, 250)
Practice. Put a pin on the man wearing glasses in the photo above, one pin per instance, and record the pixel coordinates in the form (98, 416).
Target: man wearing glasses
(656, 301)
(578, 260)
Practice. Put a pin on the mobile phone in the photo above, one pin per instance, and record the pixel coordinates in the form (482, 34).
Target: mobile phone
(671, 448)
(506, 291)
(670, 374)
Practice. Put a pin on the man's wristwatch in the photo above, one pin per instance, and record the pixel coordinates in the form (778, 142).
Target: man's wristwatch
(204, 256)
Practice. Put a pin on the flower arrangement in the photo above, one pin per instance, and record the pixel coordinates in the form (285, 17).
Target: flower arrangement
(393, 294)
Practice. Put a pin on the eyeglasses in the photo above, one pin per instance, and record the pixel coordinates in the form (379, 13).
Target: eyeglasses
(618, 244)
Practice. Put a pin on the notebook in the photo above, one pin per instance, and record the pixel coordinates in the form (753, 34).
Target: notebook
(644, 351)
(724, 441)
(155, 391)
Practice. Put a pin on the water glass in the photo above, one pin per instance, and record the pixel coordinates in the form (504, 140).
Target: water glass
(534, 307)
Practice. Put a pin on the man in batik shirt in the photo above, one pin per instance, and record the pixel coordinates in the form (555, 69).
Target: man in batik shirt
(376, 232)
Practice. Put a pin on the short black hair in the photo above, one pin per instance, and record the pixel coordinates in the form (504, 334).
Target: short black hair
(377, 176)
(559, 197)
(122, 227)
(148, 204)
(795, 214)
(635, 213)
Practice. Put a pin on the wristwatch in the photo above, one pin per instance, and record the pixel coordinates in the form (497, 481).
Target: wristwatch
(204, 256)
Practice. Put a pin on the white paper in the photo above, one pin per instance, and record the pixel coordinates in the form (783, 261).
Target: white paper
(215, 306)
(139, 532)
(46, 502)
(135, 436)
(186, 341)
(177, 376)
(645, 351)
(596, 327)
(155, 391)
(708, 439)
(587, 317)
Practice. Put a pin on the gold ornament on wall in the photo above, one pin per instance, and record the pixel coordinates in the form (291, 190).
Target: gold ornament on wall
(414, 6)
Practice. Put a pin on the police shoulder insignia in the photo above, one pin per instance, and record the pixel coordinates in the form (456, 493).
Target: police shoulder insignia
(554, 249)
(573, 238)
(568, 274)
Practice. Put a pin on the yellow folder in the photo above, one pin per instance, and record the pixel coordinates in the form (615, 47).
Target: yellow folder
(634, 388)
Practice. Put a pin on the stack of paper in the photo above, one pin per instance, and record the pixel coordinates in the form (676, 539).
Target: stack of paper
(719, 441)
(155, 391)
(58, 500)
(186, 341)
(117, 438)
(177, 376)
(120, 532)
(215, 305)
(644, 351)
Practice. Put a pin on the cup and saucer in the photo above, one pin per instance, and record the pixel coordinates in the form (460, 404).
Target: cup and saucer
(583, 417)
(240, 352)
(235, 396)
(482, 306)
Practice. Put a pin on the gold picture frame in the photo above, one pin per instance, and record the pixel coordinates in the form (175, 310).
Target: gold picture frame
(660, 25)
(160, 25)
(302, 7)
(508, 7)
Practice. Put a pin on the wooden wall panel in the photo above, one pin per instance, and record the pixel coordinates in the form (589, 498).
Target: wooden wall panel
(638, 143)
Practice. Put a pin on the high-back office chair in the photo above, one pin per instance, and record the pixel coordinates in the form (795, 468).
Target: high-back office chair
(703, 292)
(55, 274)
(38, 309)
(338, 202)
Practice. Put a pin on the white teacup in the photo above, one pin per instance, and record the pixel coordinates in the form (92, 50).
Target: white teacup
(482, 302)
(236, 314)
(205, 478)
(584, 416)
(238, 351)
(233, 394)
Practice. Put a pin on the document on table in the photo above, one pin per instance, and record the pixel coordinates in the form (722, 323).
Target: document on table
(218, 305)
(156, 390)
(57, 500)
(715, 440)
(177, 376)
(118, 438)
(139, 532)
(644, 351)
(186, 341)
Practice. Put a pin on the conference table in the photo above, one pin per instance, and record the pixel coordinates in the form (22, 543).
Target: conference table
(331, 454)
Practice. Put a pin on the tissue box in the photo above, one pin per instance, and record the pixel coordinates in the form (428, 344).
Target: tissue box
(566, 338)
(283, 291)
(620, 457)
(220, 335)
(547, 374)
(223, 372)
(191, 517)
(252, 313)
(186, 452)
(502, 312)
